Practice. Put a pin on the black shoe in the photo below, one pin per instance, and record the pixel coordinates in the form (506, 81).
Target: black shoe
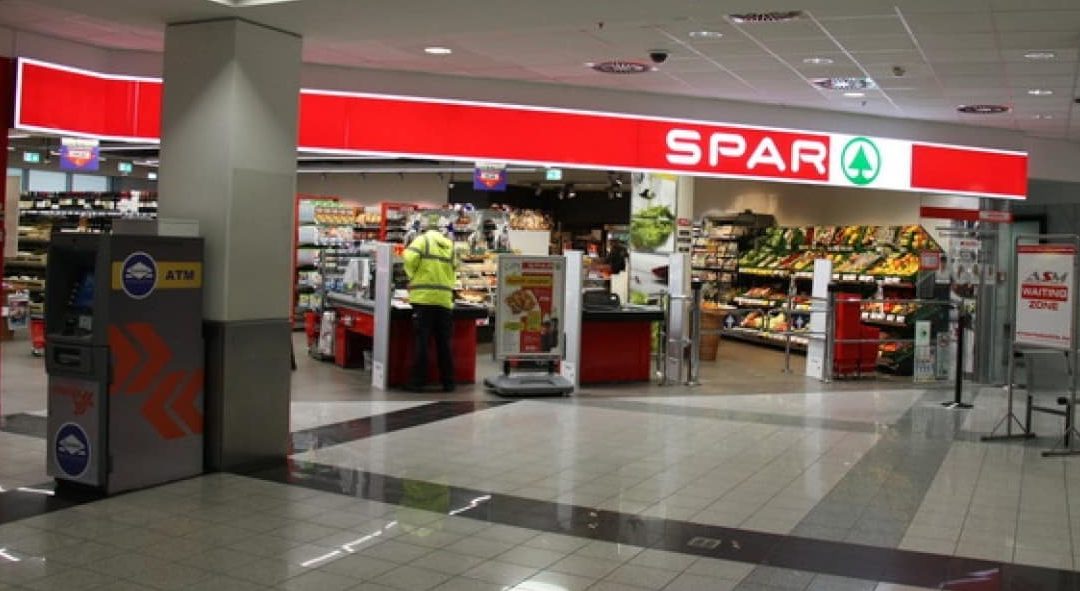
(448, 387)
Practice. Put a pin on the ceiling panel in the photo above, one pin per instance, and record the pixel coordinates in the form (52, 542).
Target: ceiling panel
(949, 22)
(876, 43)
(862, 26)
(1064, 21)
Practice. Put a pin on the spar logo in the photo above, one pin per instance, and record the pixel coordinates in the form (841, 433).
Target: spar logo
(747, 152)
(1045, 290)
(861, 161)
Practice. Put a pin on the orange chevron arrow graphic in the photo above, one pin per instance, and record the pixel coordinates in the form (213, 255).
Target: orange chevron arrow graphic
(125, 359)
(154, 409)
(158, 355)
(184, 405)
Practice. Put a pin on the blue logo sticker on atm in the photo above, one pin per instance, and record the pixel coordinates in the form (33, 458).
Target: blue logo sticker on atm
(72, 450)
(139, 275)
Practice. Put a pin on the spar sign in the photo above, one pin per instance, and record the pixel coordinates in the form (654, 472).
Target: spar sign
(1045, 298)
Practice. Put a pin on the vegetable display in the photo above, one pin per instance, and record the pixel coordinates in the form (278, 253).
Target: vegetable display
(651, 227)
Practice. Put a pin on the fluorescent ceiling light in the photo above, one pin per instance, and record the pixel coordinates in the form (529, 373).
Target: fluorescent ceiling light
(1040, 55)
(1040, 92)
(706, 34)
(1043, 116)
(818, 61)
(436, 50)
(854, 94)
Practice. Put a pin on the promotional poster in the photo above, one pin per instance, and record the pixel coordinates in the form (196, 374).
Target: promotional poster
(1044, 294)
(530, 311)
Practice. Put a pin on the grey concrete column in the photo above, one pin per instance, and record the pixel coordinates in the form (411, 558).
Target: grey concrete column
(228, 160)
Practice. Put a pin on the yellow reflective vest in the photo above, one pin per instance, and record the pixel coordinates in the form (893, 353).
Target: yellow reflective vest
(430, 265)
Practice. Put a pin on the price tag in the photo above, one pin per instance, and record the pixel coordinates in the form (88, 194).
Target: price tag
(865, 315)
(869, 278)
(878, 316)
(901, 319)
(892, 280)
(850, 277)
(890, 318)
(836, 276)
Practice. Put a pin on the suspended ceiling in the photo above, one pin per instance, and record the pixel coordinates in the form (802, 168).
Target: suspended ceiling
(950, 52)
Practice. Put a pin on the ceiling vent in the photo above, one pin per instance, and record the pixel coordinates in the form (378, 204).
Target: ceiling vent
(621, 67)
(983, 109)
(767, 17)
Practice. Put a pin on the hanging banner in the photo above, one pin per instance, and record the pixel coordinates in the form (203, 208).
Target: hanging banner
(78, 154)
(489, 176)
(530, 314)
(1044, 294)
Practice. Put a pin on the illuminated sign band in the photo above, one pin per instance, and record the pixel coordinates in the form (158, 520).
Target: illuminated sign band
(77, 102)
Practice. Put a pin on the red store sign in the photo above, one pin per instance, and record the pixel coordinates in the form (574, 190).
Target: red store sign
(77, 102)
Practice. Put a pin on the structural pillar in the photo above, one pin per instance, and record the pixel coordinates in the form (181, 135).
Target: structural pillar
(228, 160)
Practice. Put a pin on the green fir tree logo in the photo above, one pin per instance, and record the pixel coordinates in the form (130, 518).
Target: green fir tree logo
(861, 161)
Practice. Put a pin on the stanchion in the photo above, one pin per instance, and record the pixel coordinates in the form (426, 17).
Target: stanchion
(958, 390)
(695, 332)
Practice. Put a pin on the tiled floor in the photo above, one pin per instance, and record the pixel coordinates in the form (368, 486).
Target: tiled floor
(852, 485)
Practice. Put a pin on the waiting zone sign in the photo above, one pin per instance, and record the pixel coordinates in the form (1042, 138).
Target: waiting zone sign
(1046, 281)
(59, 99)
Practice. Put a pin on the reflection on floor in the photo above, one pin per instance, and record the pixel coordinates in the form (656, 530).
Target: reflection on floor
(791, 485)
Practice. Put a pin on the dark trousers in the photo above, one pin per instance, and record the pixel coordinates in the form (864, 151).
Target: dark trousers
(432, 321)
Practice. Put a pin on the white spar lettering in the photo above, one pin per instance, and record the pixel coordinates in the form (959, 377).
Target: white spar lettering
(684, 149)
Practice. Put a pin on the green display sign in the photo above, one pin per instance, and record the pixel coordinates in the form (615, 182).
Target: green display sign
(31, 157)
(553, 174)
(124, 167)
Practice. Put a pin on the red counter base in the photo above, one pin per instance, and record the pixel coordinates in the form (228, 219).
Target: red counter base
(401, 352)
(615, 352)
(355, 329)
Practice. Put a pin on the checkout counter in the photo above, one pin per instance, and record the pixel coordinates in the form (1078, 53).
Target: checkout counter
(616, 340)
(354, 333)
(616, 344)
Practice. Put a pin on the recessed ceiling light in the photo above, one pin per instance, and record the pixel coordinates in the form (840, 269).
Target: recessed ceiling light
(1040, 55)
(1040, 92)
(983, 109)
(622, 67)
(854, 94)
(436, 50)
(1043, 116)
(706, 34)
(778, 16)
(818, 61)
(844, 83)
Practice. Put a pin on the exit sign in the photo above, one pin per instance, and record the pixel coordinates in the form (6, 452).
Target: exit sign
(553, 174)
(31, 157)
(124, 167)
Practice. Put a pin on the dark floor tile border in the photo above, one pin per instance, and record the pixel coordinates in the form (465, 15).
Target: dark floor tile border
(24, 424)
(844, 559)
(364, 427)
(31, 501)
(729, 415)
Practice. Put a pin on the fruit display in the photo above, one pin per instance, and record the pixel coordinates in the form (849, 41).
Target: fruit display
(857, 263)
(896, 265)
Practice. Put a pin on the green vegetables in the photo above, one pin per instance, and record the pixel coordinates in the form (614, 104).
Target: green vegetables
(651, 227)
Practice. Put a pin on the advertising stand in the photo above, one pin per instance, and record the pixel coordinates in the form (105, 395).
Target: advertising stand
(1044, 314)
(528, 319)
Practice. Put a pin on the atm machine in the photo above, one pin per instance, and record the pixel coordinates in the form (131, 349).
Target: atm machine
(124, 357)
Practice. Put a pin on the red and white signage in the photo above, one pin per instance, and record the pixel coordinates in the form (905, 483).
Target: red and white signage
(70, 101)
(1044, 294)
(967, 215)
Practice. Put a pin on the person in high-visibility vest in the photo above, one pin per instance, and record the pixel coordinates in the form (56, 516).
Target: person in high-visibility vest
(431, 264)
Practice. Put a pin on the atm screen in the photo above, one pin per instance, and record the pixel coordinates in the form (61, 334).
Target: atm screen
(83, 297)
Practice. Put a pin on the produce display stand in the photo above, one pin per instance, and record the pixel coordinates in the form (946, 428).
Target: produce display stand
(1045, 320)
(528, 317)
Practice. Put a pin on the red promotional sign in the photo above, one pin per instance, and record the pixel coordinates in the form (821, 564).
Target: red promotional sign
(967, 215)
(77, 102)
